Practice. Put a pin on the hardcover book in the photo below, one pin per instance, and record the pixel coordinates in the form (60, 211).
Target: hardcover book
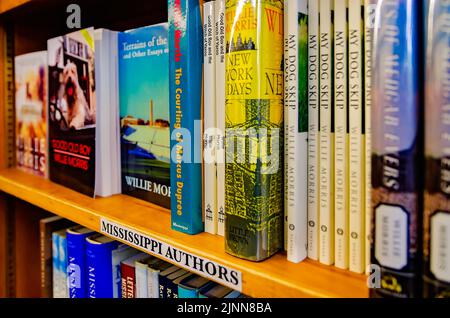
(173, 280)
(31, 112)
(47, 228)
(63, 278)
(56, 286)
(144, 113)
(163, 280)
(341, 184)
(296, 127)
(118, 255)
(326, 153)
(100, 278)
(436, 231)
(153, 271)
(141, 267)
(190, 286)
(396, 147)
(214, 290)
(254, 124)
(76, 256)
(313, 129)
(185, 83)
(356, 137)
(128, 275)
(209, 119)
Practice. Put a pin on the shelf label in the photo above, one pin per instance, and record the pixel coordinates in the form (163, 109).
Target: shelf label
(196, 264)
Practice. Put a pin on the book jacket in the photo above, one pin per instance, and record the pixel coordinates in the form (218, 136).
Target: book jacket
(72, 110)
(144, 113)
(254, 129)
(185, 83)
(437, 154)
(31, 112)
(396, 148)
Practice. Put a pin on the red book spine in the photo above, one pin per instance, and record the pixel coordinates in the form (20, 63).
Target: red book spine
(128, 281)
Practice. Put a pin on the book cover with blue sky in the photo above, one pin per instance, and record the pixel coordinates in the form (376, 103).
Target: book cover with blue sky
(144, 113)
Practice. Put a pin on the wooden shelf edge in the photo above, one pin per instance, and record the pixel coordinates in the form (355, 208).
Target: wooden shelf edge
(7, 5)
(275, 277)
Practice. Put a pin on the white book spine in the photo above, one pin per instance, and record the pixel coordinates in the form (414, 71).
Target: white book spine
(357, 152)
(326, 153)
(220, 112)
(296, 130)
(313, 129)
(369, 17)
(341, 134)
(141, 280)
(209, 137)
(152, 283)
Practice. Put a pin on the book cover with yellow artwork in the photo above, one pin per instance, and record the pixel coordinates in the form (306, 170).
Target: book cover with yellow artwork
(254, 128)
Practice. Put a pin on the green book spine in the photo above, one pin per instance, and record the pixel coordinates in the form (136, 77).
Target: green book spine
(254, 128)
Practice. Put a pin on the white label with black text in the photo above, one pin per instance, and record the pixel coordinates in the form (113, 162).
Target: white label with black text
(219, 273)
(440, 246)
(391, 236)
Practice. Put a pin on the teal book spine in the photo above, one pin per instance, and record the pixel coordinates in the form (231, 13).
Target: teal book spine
(185, 82)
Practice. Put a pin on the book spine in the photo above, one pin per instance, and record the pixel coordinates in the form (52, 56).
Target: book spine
(184, 292)
(356, 146)
(396, 147)
(76, 271)
(171, 290)
(313, 129)
(326, 153)
(369, 17)
(56, 266)
(163, 281)
(99, 269)
(296, 126)
(63, 278)
(209, 135)
(341, 133)
(128, 281)
(220, 113)
(185, 78)
(254, 123)
(46, 286)
(141, 280)
(152, 283)
(436, 230)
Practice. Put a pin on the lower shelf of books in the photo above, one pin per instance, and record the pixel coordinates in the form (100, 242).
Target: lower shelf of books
(147, 227)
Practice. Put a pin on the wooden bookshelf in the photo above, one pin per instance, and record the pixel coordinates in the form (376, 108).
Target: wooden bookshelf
(7, 5)
(275, 277)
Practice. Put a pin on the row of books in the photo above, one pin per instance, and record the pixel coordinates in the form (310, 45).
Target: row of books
(79, 263)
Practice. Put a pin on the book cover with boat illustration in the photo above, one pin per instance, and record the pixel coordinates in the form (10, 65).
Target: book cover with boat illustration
(144, 113)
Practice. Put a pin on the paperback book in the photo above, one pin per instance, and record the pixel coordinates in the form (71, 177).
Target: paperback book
(31, 112)
(436, 230)
(396, 148)
(326, 151)
(296, 127)
(356, 137)
(341, 109)
(313, 129)
(144, 113)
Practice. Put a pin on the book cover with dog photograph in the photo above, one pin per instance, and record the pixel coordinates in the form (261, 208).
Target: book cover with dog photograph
(31, 112)
(72, 110)
(144, 113)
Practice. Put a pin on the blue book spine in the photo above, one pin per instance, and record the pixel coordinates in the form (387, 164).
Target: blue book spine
(55, 262)
(76, 269)
(63, 267)
(184, 292)
(185, 82)
(436, 210)
(396, 148)
(99, 269)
